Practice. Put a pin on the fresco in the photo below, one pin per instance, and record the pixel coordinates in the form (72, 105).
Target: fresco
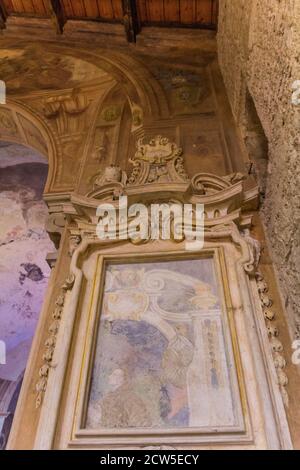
(161, 359)
(24, 245)
(33, 68)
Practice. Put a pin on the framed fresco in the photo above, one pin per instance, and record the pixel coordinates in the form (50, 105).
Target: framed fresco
(161, 360)
(161, 354)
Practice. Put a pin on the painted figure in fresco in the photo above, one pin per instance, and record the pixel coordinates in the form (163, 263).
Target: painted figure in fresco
(122, 407)
(175, 362)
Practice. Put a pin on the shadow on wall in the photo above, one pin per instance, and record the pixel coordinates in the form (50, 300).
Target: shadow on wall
(24, 273)
(256, 143)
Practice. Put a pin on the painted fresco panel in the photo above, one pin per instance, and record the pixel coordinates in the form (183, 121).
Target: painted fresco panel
(162, 358)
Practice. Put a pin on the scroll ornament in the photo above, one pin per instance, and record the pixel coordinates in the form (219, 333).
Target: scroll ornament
(160, 161)
(255, 252)
(50, 343)
(74, 242)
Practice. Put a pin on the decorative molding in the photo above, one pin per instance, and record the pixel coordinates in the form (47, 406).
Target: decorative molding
(228, 202)
(158, 175)
(273, 333)
(225, 203)
(50, 343)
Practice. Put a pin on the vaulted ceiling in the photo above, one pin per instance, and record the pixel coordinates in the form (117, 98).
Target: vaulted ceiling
(134, 14)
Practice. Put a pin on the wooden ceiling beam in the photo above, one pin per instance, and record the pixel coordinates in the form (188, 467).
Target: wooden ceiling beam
(57, 15)
(3, 15)
(130, 19)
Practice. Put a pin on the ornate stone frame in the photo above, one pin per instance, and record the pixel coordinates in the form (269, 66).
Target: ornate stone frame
(229, 202)
(265, 421)
(85, 352)
(228, 214)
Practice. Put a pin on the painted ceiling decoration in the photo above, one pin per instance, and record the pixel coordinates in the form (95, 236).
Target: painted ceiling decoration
(133, 14)
(28, 68)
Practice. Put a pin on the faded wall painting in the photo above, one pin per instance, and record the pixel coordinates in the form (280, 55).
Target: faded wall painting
(24, 244)
(163, 357)
(24, 273)
(32, 68)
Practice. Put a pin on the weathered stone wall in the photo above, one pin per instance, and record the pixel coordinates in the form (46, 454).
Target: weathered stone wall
(259, 50)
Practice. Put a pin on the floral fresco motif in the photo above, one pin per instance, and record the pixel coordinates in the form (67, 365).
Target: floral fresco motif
(161, 359)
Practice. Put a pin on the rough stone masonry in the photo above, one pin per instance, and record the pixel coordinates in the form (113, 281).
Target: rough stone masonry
(259, 55)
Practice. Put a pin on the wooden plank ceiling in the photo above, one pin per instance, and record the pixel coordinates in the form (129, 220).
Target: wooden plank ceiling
(134, 14)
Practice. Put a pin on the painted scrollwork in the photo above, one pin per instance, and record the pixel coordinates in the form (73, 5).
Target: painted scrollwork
(273, 333)
(50, 343)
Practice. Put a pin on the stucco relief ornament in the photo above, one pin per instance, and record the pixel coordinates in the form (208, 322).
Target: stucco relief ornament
(74, 242)
(111, 174)
(273, 333)
(158, 161)
(50, 343)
